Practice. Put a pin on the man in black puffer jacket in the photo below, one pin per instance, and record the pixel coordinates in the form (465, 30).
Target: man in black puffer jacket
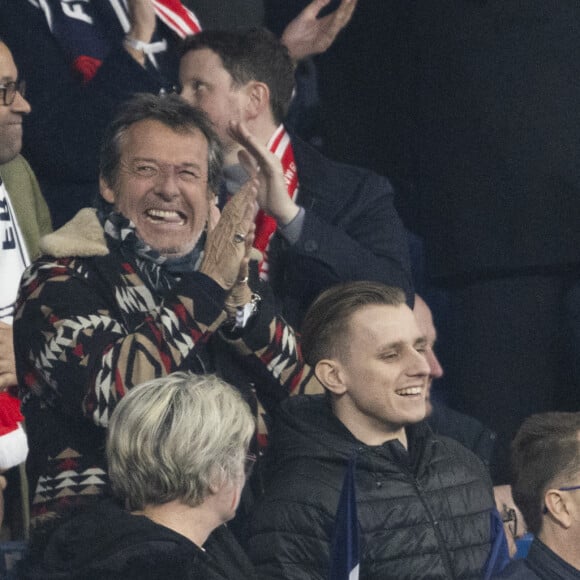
(424, 502)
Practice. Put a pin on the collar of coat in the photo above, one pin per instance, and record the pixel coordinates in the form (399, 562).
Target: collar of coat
(83, 236)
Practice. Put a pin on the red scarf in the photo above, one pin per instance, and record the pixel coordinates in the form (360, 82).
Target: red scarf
(281, 146)
(180, 19)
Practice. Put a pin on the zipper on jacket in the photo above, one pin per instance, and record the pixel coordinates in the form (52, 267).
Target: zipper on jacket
(435, 525)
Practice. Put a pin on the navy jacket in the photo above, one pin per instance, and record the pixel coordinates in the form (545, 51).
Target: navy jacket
(351, 232)
(540, 564)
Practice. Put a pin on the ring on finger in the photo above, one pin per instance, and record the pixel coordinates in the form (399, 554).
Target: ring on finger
(243, 280)
(239, 238)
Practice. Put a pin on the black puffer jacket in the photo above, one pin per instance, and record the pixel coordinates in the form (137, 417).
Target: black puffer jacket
(422, 514)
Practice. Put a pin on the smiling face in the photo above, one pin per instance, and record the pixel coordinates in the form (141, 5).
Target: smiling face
(10, 115)
(384, 376)
(161, 186)
(206, 84)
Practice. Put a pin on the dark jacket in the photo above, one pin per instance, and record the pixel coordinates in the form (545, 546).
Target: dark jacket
(108, 543)
(540, 564)
(470, 432)
(424, 513)
(351, 231)
(469, 107)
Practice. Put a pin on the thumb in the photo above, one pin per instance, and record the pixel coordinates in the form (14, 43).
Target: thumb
(248, 162)
(213, 217)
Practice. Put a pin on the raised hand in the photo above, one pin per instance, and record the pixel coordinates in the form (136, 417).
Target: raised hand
(141, 26)
(141, 19)
(264, 166)
(229, 243)
(307, 34)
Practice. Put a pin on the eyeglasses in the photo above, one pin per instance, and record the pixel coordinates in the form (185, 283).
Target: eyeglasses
(249, 463)
(569, 488)
(565, 488)
(509, 516)
(10, 89)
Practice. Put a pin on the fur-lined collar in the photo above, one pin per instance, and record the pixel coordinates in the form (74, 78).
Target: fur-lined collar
(83, 236)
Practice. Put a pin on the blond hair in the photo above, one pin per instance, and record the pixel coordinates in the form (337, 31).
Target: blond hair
(173, 438)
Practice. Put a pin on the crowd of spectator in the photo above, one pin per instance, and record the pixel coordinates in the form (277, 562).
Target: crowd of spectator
(224, 325)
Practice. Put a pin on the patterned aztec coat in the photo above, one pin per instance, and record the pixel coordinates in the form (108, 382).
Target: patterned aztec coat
(88, 328)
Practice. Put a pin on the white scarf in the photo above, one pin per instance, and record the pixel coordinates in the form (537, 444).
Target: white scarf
(13, 256)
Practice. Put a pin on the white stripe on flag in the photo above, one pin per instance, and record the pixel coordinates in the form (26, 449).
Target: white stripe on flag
(174, 20)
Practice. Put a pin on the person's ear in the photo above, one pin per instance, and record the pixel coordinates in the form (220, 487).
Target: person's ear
(258, 99)
(558, 507)
(331, 375)
(107, 192)
(216, 482)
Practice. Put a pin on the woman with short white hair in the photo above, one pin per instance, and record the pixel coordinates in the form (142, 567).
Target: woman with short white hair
(177, 451)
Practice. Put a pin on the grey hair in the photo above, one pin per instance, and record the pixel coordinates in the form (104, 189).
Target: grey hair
(176, 437)
(173, 112)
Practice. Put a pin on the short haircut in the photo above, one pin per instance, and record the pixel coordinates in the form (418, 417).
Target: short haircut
(545, 453)
(173, 112)
(325, 327)
(253, 55)
(172, 438)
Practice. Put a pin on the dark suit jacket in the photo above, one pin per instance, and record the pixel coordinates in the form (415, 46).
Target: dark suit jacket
(471, 108)
(351, 232)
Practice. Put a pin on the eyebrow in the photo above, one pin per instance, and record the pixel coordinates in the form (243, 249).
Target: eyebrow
(157, 162)
(420, 341)
(391, 346)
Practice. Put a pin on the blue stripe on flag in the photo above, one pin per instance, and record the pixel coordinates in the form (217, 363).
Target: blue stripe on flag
(499, 554)
(344, 556)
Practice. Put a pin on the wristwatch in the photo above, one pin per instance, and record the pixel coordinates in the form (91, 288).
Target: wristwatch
(247, 311)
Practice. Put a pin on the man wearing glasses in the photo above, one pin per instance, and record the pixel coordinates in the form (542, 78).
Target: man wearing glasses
(546, 488)
(24, 216)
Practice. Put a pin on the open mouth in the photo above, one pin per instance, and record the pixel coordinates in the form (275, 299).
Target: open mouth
(410, 391)
(166, 216)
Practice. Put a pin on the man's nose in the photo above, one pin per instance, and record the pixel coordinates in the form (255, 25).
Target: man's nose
(167, 184)
(20, 104)
(188, 96)
(435, 368)
(419, 364)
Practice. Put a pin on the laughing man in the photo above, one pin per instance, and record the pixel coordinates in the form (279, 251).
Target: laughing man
(424, 502)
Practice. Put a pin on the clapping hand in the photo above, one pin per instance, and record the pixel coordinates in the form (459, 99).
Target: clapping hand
(266, 168)
(229, 243)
